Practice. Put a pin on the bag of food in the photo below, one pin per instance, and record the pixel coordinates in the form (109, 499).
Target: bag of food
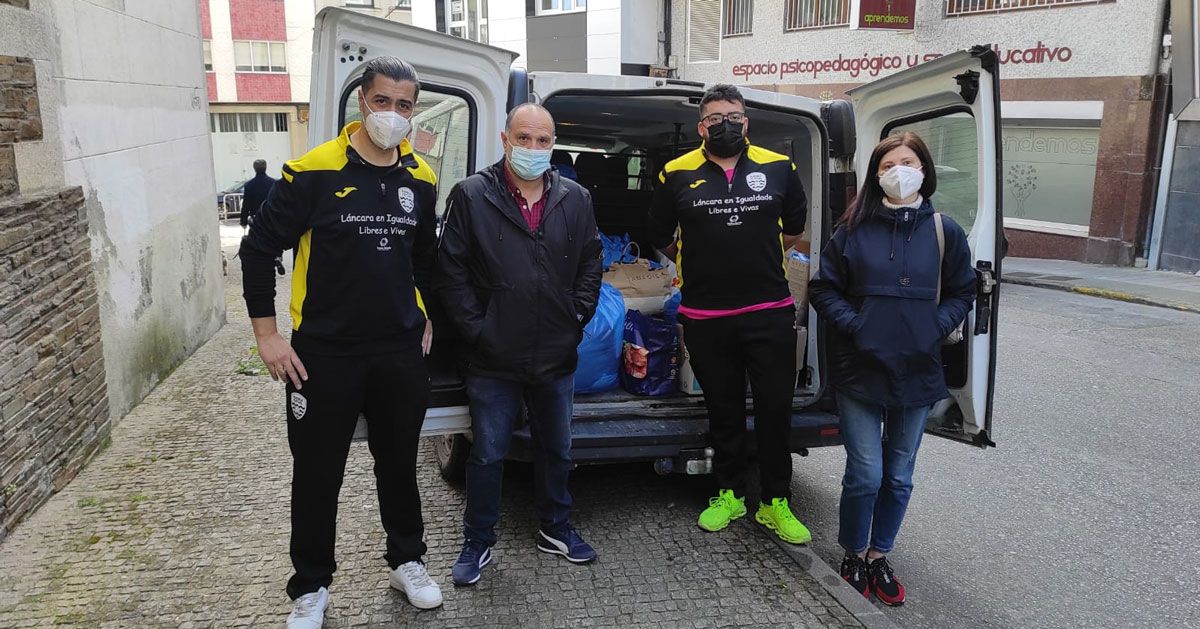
(600, 349)
(640, 278)
(651, 356)
(796, 270)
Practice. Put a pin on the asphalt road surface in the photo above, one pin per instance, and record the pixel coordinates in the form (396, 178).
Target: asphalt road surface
(1086, 514)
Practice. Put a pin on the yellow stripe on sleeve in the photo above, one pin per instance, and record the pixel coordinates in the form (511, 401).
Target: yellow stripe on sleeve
(300, 278)
(421, 303)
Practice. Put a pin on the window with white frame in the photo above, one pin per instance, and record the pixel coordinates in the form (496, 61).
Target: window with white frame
(969, 7)
(259, 56)
(551, 7)
(404, 4)
(206, 46)
(468, 19)
(737, 17)
(802, 14)
(360, 3)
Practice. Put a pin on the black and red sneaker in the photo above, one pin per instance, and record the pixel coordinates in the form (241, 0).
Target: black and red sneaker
(884, 583)
(854, 571)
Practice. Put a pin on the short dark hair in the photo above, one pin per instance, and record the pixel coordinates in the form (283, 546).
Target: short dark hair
(722, 92)
(393, 68)
(260, 165)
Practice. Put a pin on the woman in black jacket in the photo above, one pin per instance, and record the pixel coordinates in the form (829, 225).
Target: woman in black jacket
(891, 296)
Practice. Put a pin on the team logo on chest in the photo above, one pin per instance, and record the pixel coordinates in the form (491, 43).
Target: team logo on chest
(756, 181)
(406, 199)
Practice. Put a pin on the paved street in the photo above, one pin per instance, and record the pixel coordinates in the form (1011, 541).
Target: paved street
(182, 522)
(1086, 514)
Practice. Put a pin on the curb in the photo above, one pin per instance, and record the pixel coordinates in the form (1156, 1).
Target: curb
(1103, 293)
(862, 609)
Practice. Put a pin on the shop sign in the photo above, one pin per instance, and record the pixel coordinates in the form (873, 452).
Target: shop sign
(883, 15)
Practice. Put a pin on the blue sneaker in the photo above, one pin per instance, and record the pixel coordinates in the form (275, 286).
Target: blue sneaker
(472, 559)
(566, 542)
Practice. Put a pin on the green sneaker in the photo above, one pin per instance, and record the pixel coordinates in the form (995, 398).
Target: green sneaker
(722, 510)
(778, 517)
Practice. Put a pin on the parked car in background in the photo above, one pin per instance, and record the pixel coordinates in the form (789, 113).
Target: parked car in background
(229, 201)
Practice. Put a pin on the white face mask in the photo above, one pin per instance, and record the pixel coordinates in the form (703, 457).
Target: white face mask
(386, 128)
(901, 182)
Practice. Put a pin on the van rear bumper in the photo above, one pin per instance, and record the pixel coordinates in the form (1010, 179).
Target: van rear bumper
(632, 438)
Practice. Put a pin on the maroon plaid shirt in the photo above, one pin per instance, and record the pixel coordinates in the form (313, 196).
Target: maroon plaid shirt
(533, 215)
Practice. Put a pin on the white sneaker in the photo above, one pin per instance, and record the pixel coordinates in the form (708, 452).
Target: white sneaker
(308, 612)
(412, 579)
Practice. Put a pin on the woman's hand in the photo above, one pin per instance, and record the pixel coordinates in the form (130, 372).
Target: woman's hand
(427, 339)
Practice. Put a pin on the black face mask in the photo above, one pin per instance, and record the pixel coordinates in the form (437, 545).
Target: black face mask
(725, 139)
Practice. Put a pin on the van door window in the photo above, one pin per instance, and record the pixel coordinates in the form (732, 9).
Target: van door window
(952, 141)
(442, 134)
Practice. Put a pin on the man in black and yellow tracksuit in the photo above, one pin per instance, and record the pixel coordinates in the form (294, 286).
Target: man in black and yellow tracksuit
(359, 213)
(729, 210)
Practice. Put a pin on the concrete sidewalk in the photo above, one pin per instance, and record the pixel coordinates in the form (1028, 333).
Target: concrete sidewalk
(1179, 291)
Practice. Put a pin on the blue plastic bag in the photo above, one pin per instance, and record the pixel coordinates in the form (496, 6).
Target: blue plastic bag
(616, 249)
(651, 356)
(600, 349)
(671, 305)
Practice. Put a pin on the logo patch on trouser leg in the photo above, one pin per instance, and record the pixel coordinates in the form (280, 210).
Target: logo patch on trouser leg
(299, 405)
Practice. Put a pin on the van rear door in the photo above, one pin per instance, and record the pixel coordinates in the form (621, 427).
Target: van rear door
(456, 129)
(953, 103)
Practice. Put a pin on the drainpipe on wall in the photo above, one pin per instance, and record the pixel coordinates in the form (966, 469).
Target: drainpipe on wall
(1167, 127)
(1167, 162)
(666, 60)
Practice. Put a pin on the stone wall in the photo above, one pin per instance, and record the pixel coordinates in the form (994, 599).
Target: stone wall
(20, 118)
(55, 404)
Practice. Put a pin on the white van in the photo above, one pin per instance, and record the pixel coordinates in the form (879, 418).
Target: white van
(629, 126)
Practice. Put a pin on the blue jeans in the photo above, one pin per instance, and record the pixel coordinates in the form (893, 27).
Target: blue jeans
(495, 406)
(881, 453)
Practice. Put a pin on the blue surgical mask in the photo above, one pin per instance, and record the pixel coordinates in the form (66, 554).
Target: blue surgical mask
(529, 164)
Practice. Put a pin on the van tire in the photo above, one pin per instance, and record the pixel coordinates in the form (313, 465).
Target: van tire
(451, 452)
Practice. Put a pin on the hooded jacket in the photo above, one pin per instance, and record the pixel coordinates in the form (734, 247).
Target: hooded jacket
(877, 289)
(519, 298)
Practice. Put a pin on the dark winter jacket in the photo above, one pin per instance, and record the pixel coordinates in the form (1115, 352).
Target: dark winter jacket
(877, 288)
(254, 194)
(519, 298)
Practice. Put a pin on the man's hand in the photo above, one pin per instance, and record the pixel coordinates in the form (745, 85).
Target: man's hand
(281, 360)
(427, 339)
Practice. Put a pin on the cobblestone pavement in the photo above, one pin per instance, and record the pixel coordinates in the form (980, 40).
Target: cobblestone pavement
(182, 522)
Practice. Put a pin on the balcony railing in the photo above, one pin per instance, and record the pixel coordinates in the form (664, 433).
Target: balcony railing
(971, 7)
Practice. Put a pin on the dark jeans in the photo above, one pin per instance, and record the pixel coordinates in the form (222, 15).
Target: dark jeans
(495, 405)
(392, 390)
(723, 351)
(881, 454)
